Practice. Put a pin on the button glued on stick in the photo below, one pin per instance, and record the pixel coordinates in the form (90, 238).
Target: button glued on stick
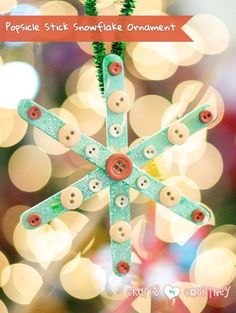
(69, 135)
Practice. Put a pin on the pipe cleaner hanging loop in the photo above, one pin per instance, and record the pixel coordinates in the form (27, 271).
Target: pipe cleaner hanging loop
(99, 48)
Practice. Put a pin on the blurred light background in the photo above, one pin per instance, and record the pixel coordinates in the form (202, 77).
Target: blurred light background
(65, 267)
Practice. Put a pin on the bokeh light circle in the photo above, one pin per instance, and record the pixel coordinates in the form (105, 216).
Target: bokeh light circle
(206, 171)
(12, 128)
(21, 283)
(41, 245)
(57, 8)
(218, 240)
(215, 35)
(151, 107)
(90, 122)
(214, 268)
(154, 66)
(11, 219)
(18, 80)
(29, 168)
(83, 279)
(3, 264)
(6, 6)
(3, 308)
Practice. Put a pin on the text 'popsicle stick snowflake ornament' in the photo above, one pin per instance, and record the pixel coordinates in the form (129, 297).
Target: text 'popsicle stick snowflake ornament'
(118, 171)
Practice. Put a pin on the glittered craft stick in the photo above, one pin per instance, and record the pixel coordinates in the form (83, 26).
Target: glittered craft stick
(68, 199)
(175, 134)
(68, 135)
(117, 105)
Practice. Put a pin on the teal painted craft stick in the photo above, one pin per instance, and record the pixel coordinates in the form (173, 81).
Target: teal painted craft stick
(116, 123)
(52, 207)
(119, 211)
(50, 124)
(160, 142)
(119, 202)
(151, 187)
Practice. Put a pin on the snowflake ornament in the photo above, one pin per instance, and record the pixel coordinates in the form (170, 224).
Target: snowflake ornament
(118, 171)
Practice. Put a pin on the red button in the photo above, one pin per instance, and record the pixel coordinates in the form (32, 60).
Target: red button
(198, 216)
(34, 112)
(119, 166)
(123, 267)
(205, 117)
(115, 68)
(34, 220)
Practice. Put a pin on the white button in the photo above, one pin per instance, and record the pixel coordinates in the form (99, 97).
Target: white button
(71, 198)
(169, 196)
(95, 185)
(149, 152)
(120, 231)
(119, 102)
(178, 133)
(92, 151)
(121, 201)
(69, 135)
(116, 130)
(143, 182)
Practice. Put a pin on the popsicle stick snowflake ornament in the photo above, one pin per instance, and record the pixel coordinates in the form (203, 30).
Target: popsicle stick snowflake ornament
(115, 170)
(118, 171)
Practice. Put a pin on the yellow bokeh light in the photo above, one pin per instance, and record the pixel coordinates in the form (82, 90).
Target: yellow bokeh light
(3, 264)
(3, 308)
(41, 245)
(6, 122)
(218, 240)
(12, 128)
(21, 283)
(83, 279)
(187, 91)
(215, 35)
(21, 243)
(6, 6)
(180, 53)
(16, 132)
(152, 107)
(90, 122)
(142, 6)
(57, 8)
(75, 222)
(214, 268)
(153, 66)
(29, 168)
(207, 171)
(11, 219)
